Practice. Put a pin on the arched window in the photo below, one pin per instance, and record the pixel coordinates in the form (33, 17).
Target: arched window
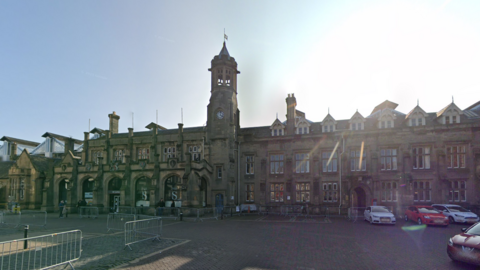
(227, 80)
(220, 80)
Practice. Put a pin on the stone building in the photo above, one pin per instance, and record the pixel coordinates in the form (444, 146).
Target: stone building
(394, 158)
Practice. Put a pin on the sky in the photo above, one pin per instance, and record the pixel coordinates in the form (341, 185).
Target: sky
(66, 65)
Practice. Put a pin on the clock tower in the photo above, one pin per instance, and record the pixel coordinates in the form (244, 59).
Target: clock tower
(223, 118)
(223, 124)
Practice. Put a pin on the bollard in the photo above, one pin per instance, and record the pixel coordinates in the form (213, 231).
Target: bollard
(181, 216)
(25, 243)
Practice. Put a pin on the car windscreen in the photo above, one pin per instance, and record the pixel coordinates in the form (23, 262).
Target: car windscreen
(457, 209)
(475, 230)
(428, 210)
(380, 210)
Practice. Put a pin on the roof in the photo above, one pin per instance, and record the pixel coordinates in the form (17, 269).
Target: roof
(4, 167)
(439, 113)
(384, 105)
(97, 130)
(60, 137)
(224, 52)
(18, 141)
(415, 109)
(43, 163)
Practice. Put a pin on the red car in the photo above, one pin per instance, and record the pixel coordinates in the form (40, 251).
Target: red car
(423, 214)
(465, 247)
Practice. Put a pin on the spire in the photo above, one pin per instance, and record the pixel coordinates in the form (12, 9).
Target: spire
(224, 51)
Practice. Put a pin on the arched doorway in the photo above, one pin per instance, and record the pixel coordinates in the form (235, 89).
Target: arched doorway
(203, 192)
(142, 197)
(359, 197)
(87, 191)
(114, 187)
(171, 192)
(62, 191)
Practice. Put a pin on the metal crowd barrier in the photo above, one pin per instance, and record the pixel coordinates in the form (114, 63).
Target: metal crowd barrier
(88, 212)
(33, 218)
(25, 217)
(41, 252)
(125, 210)
(168, 212)
(356, 213)
(141, 230)
(148, 211)
(232, 211)
(270, 210)
(209, 213)
(249, 209)
(116, 221)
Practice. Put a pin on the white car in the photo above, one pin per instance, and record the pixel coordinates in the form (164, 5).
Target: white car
(379, 215)
(456, 213)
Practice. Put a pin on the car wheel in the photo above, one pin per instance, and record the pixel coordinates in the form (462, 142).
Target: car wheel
(419, 221)
(371, 220)
(406, 218)
(451, 219)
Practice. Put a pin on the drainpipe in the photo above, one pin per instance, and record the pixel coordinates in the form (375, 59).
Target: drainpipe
(341, 155)
(238, 176)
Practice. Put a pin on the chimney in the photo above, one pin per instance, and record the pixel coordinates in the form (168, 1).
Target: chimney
(69, 145)
(291, 109)
(13, 151)
(113, 125)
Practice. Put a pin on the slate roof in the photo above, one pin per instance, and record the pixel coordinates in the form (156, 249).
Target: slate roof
(224, 52)
(4, 167)
(18, 141)
(60, 137)
(43, 163)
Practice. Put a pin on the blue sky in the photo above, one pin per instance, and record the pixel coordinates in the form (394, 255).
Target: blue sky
(63, 63)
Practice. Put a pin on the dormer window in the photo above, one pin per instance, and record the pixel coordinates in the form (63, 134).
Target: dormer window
(356, 126)
(328, 128)
(452, 119)
(386, 124)
(302, 130)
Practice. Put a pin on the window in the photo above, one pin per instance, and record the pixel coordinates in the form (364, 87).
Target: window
(422, 191)
(303, 192)
(358, 163)
(168, 152)
(328, 128)
(302, 130)
(388, 159)
(119, 155)
(276, 164)
(227, 80)
(302, 163)
(22, 189)
(353, 126)
(421, 157)
(455, 157)
(329, 162)
(143, 153)
(249, 190)
(219, 172)
(276, 192)
(96, 155)
(330, 192)
(389, 192)
(195, 152)
(250, 165)
(277, 132)
(458, 191)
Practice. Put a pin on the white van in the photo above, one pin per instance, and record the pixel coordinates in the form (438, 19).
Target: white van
(456, 213)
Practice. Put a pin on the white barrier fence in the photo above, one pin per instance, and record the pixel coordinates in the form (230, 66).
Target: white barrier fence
(41, 252)
(88, 212)
(142, 230)
(356, 213)
(26, 217)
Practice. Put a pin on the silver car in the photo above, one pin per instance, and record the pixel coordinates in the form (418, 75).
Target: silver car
(379, 215)
(456, 213)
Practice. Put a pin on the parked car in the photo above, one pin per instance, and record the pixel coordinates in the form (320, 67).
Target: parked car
(456, 213)
(424, 214)
(465, 246)
(379, 215)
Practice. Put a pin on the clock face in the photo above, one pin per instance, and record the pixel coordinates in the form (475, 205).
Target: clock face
(220, 115)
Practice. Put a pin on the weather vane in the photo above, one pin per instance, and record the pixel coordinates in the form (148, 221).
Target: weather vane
(225, 37)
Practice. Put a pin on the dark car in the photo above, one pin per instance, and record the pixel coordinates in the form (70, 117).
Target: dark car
(465, 247)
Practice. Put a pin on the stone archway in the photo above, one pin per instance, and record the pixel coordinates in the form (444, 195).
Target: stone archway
(62, 190)
(359, 197)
